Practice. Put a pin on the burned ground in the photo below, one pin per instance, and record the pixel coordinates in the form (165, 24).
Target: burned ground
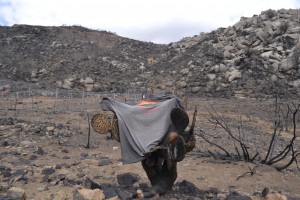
(45, 154)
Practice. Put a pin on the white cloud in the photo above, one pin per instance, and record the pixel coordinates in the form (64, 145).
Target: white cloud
(148, 20)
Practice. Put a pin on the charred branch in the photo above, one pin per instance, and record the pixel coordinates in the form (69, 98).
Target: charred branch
(242, 150)
(289, 147)
(276, 125)
(252, 172)
(218, 120)
(212, 143)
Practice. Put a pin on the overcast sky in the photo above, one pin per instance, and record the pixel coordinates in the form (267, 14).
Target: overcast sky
(158, 21)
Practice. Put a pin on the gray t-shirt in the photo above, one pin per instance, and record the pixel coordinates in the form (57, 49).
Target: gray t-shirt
(142, 127)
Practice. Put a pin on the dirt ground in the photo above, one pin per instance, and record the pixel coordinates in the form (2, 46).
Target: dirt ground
(62, 136)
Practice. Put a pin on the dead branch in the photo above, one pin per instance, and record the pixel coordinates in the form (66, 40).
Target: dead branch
(243, 146)
(294, 156)
(239, 142)
(252, 172)
(212, 154)
(220, 121)
(276, 125)
(253, 158)
(289, 147)
(277, 158)
(212, 143)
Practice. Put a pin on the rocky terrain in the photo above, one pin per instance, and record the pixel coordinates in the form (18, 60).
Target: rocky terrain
(237, 69)
(257, 56)
(44, 156)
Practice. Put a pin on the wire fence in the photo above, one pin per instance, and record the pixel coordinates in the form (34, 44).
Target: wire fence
(62, 100)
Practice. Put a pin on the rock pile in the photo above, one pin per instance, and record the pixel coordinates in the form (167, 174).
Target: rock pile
(257, 55)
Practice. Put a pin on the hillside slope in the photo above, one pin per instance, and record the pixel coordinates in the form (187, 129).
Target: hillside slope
(257, 56)
(65, 56)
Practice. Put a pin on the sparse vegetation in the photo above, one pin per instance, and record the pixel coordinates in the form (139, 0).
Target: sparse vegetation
(285, 156)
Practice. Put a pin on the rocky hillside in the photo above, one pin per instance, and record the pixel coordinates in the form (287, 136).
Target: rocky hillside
(256, 57)
(72, 58)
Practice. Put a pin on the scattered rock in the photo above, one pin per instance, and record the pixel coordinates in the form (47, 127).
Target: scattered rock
(40, 151)
(6, 121)
(33, 157)
(196, 89)
(104, 162)
(16, 193)
(67, 84)
(28, 142)
(233, 75)
(124, 194)
(48, 171)
(89, 184)
(50, 128)
(4, 143)
(127, 179)
(182, 84)
(237, 196)
(275, 196)
(109, 192)
(5, 87)
(65, 150)
(88, 194)
(186, 187)
(265, 192)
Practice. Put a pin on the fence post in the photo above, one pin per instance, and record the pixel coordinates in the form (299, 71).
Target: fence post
(82, 101)
(56, 94)
(70, 101)
(16, 100)
(29, 96)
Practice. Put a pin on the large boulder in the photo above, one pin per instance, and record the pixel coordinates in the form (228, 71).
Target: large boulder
(233, 75)
(67, 84)
(286, 65)
(5, 87)
(291, 39)
(195, 89)
(89, 80)
(182, 84)
(262, 35)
